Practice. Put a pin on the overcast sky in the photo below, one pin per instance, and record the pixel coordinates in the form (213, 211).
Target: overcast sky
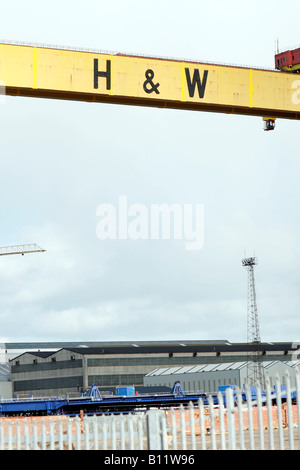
(61, 160)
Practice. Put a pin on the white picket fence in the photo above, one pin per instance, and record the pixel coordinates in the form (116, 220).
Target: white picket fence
(105, 432)
(244, 425)
(241, 424)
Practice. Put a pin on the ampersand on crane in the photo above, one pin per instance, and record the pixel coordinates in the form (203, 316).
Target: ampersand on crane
(149, 74)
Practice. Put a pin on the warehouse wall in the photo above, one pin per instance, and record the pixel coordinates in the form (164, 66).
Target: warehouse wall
(6, 390)
(199, 381)
(54, 375)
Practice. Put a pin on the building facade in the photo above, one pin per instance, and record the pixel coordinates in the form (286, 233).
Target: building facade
(75, 369)
(209, 377)
(5, 383)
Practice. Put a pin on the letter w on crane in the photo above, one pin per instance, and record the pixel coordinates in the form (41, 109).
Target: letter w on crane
(201, 84)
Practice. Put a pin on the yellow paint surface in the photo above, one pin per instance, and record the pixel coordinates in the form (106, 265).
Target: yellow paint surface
(134, 79)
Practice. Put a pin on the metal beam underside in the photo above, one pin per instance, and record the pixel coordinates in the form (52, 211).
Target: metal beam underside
(151, 103)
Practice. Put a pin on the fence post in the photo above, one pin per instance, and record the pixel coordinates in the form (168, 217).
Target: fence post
(18, 435)
(9, 431)
(122, 433)
(222, 421)
(95, 433)
(289, 410)
(202, 423)
(231, 418)
(250, 416)
(26, 431)
(1, 435)
(131, 432)
(212, 423)
(297, 380)
(279, 411)
(240, 420)
(192, 425)
(78, 433)
(270, 415)
(259, 416)
(140, 433)
(183, 427)
(113, 433)
(154, 429)
(173, 429)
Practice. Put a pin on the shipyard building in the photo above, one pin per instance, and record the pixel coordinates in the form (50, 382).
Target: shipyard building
(53, 369)
(209, 377)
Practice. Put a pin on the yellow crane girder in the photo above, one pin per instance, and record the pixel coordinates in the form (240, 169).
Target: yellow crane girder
(49, 72)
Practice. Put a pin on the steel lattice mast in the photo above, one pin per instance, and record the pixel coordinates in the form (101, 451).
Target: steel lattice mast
(255, 370)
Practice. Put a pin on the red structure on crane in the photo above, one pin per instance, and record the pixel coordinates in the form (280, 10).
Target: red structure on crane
(288, 61)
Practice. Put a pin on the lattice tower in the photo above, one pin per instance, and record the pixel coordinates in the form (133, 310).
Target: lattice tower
(255, 370)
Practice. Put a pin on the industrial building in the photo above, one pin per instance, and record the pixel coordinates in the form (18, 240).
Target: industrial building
(5, 383)
(43, 369)
(209, 377)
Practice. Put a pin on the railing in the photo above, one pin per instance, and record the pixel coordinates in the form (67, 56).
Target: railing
(134, 54)
(235, 422)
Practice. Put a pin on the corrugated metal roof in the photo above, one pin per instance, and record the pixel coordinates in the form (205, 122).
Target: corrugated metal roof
(269, 364)
(199, 369)
(158, 371)
(108, 344)
(120, 347)
(226, 366)
(236, 365)
(293, 363)
(210, 367)
(184, 369)
(172, 370)
(147, 347)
